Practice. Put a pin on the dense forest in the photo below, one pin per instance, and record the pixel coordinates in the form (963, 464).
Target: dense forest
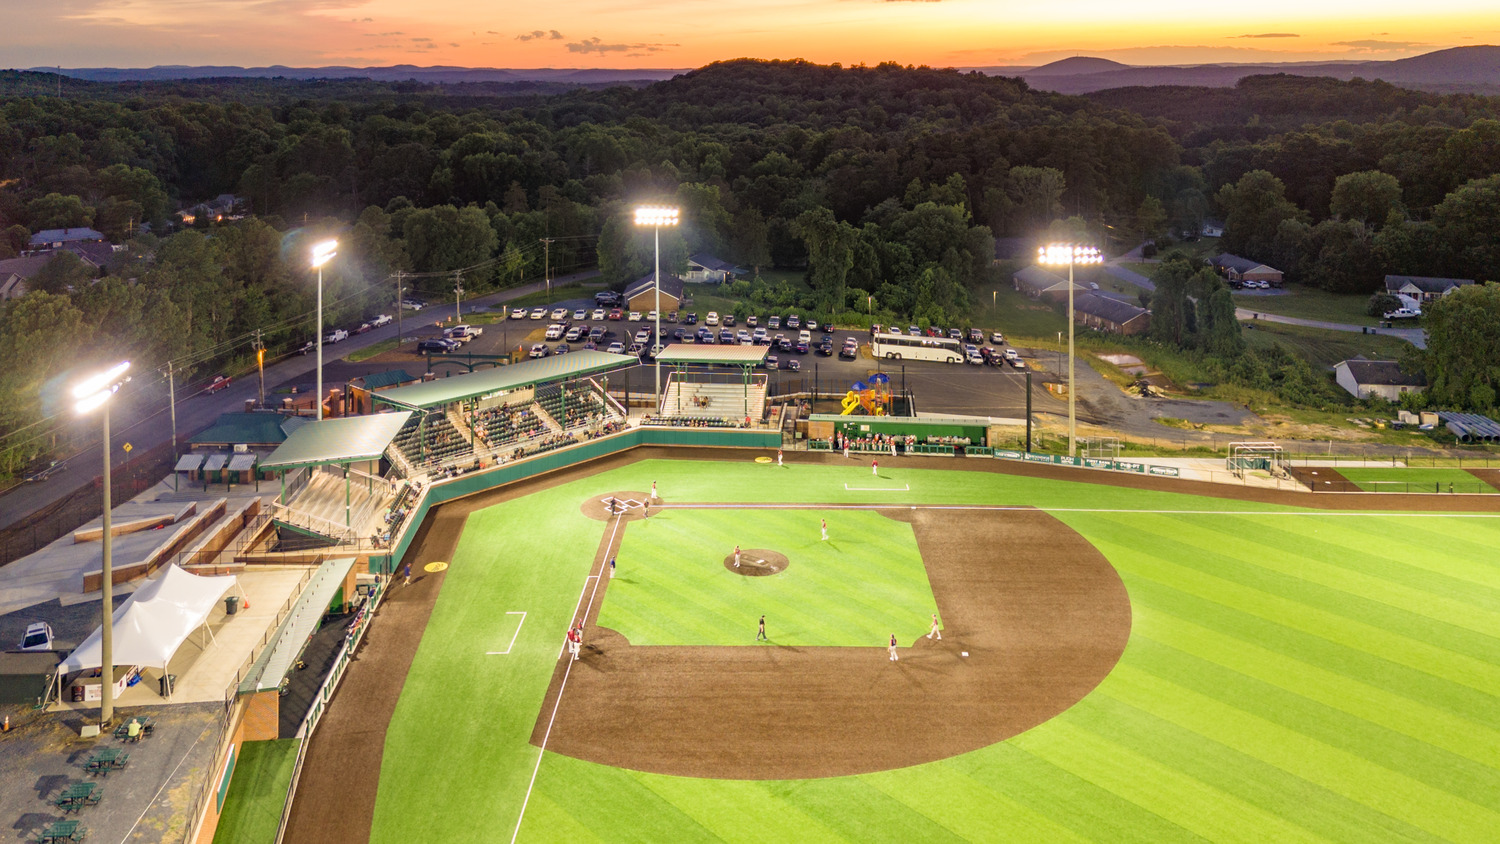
(887, 181)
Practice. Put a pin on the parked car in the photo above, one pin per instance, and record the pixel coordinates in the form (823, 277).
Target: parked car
(690, 319)
(538, 313)
(41, 471)
(976, 335)
(1017, 362)
(1012, 354)
(727, 319)
(562, 349)
(616, 315)
(804, 336)
(576, 333)
(580, 315)
(383, 319)
(38, 637)
(827, 328)
(812, 325)
(772, 362)
(752, 320)
(651, 316)
(607, 298)
(307, 347)
(773, 323)
(413, 304)
(793, 321)
(801, 347)
(436, 346)
(712, 318)
(517, 313)
(794, 364)
(336, 336)
(974, 358)
(554, 332)
(219, 383)
(726, 337)
(596, 334)
(783, 344)
(539, 350)
(642, 336)
(462, 333)
(670, 317)
(635, 316)
(895, 329)
(616, 348)
(1404, 313)
(679, 334)
(997, 338)
(825, 348)
(955, 334)
(597, 315)
(849, 352)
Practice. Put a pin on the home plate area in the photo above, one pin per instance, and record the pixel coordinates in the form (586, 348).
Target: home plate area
(627, 504)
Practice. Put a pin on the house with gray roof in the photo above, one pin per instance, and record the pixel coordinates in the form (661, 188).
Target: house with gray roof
(1037, 282)
(1376, 379)
(56, 238)
(706, 267)
(1103, 313)
(1238, 269)
(1423, 288)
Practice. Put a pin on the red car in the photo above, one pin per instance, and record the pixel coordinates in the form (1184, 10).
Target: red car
(616, 314)
(219, 383)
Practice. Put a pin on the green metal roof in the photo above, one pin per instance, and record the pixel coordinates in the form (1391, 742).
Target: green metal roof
(348, 440)
(376, 380)
(693, 353)
(501, 378)
(247, 428)
(297, 628)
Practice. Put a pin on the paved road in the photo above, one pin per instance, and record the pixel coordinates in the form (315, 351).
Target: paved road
(1415, 336)
(145, 430)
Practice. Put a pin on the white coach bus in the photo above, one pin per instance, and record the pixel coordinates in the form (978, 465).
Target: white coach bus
(912, 347)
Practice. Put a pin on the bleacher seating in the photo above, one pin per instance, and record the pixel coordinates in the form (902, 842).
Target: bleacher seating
(498, 426)
(431, 442)
(689, 398)
(319, 506)
(693, 421)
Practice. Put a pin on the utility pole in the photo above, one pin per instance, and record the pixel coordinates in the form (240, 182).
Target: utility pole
(458, 298)
(547, 265)
(398, 307)
(260, 364)
(172, 402)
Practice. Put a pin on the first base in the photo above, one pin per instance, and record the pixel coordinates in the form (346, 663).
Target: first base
(966, 653)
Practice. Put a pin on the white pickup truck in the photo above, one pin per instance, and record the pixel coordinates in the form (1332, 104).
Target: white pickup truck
(336, 335)
(463, 333)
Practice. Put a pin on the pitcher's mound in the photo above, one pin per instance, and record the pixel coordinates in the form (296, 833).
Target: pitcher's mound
(757, 562)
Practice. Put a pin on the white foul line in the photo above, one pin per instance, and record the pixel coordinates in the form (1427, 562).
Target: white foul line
(903, 488)
(513, 636)
(542, 751)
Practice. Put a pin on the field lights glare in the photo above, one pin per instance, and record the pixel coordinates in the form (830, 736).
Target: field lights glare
(95, 391)
(1063, 255)
(652, 216)
(323, 252)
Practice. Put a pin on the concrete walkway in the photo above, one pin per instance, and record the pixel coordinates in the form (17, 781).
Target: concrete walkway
(1415, 336)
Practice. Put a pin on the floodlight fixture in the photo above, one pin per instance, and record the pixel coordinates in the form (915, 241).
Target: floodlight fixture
(323, 252)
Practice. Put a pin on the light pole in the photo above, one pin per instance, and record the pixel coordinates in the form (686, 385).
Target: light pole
(656, 217)
(1057, 254)
(92, 393)
(320, 256)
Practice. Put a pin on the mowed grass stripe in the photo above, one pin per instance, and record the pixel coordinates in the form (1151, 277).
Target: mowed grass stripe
(1154, 602)
(1232, 555)
(965, 807)
(859, 812)
(1161, 789)
(1368, 703)
(1012, 769)
(1466, 554)
(1366, 782)
(1280, 599)
(622, 809)
(1436, 562)
(1313, 807)
(732, 810)
(1393, 749)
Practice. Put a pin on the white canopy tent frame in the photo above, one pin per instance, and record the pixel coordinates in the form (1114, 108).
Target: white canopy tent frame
(151, 625)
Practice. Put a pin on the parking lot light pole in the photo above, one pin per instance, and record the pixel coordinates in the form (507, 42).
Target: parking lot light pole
(656, 217)
(1058, 254)
(94, 393)
(321, 254)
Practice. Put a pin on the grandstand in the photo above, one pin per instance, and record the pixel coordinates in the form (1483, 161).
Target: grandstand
(695, 398)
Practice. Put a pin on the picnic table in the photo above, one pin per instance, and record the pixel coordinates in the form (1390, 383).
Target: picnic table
(63, 831)
(78, 795)
(147, 725)
(107, 760)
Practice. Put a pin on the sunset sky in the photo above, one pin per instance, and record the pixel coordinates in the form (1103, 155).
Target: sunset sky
(691, 33)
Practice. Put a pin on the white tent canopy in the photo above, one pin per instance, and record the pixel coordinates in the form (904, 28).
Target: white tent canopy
(154, 621)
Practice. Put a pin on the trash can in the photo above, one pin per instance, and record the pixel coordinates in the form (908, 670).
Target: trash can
(231, 605)
(168, 681)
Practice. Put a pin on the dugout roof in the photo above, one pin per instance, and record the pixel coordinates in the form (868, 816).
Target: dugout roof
(705, 353)
(352, 439)
(503, 378)
(297, 628)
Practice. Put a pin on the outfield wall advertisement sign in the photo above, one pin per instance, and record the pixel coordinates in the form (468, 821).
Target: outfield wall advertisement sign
(1090, 463)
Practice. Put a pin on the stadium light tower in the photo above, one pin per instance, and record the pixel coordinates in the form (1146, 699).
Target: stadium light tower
(322, 254)
(1057, 254)
(92, 393)
(656, 217)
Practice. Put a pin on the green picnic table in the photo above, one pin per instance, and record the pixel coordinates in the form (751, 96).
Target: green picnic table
(63, 831)
(78, 795)
(144, 728)
(107, 760)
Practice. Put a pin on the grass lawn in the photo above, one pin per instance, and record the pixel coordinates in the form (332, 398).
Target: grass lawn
(257, 793)
(1308, 303)
(1002, 307)
(854, 590)
(371, 351)
(1290, 676)
(1323, 347)
(1395, 479)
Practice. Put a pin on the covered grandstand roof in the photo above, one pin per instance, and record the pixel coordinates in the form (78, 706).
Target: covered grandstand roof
(501, 378)
(379, 380)
(694, 353)
(349, 440)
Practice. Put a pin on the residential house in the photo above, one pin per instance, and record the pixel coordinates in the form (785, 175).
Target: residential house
(1376, 378)
(57, 238)
(641, 296)
(1212, 228)
(1103, 313)
(705, 267)
(1423, 288)
(14, 273)
(1238, 269)
(1037, 282)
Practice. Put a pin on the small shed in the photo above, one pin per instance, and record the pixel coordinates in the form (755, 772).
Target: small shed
(1376, 379)
(641, 296)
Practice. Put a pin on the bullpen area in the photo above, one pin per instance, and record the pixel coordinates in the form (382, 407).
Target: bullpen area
(1120, 659)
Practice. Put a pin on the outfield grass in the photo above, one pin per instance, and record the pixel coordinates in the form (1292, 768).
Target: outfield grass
(865, 583)
(1391, 479)
(257, 793)
(1290, 676)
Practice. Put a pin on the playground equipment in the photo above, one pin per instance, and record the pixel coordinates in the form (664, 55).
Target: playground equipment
(873, 397)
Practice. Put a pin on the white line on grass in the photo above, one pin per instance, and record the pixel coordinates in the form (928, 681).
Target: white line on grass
(902, 488)
(513, 636)
(542, 751)
(1319, 513)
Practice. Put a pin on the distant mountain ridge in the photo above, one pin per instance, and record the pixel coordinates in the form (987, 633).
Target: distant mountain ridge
(1475, 69)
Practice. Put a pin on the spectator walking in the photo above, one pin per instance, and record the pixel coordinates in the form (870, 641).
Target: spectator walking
(894, 658)
(935, 630)
(760, 634)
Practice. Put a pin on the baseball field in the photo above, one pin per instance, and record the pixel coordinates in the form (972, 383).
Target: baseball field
(1116, 664)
